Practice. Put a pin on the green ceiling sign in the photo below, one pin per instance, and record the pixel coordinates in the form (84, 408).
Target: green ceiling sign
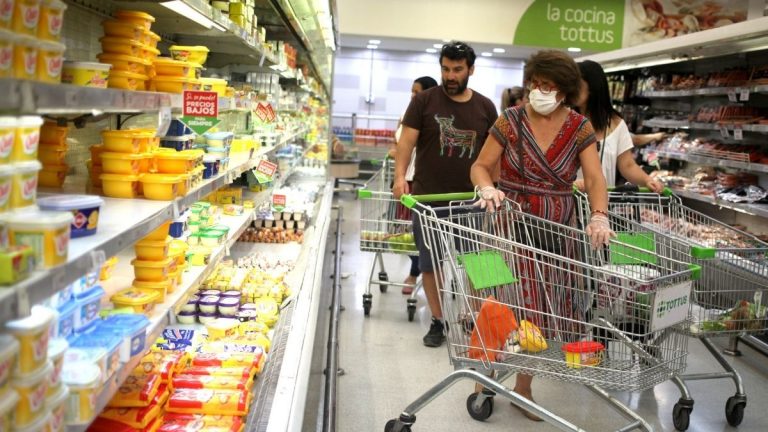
(596, 25)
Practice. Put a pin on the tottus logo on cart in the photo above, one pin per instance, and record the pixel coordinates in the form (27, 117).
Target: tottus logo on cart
(665, 306)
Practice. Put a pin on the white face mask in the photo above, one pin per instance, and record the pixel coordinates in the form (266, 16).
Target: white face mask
(542, 103)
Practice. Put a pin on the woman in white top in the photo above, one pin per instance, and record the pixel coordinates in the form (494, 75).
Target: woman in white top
(613, 137)
(419, 85)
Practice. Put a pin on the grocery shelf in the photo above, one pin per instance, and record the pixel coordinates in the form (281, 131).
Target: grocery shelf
(29, 97)
(750, 209)
(707, 91)
(685, 124)
(709, 161)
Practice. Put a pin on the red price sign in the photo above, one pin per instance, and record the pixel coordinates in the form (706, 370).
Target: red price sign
(278, 200)
(267, 168)
(271, 116)
(201, 104)
(262, 112)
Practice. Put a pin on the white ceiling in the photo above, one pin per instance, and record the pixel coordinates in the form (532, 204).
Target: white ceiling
(420, 45)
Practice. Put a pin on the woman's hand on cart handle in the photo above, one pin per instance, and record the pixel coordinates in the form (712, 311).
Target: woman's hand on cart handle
(655, 186)
(400, 187)
(599, 230)
(579, 185)
(489, 198)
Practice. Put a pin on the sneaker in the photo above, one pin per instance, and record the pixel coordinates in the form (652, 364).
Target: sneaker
(435, 337)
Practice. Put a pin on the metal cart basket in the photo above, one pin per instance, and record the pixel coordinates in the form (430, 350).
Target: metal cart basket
(525, 292)
(728, 298)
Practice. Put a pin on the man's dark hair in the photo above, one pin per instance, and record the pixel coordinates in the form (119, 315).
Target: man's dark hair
(457, 51)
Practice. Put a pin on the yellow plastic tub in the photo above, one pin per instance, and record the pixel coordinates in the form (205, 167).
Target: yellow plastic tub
(25, 58)
(7, 405)
(152, 250)
(151, 39)
(32, 390)
(161, 187)
(173, 162)
(108, 268)
(51, 155)
(53, 135)
(150, 53)
(146, 138)
(126, 63)
(136, 17)
(47, 233)
(221, 328)
(6, 187)
(53, 175)
(86, 74)
(160, 233)
(160, 287)
(152, 271)
(32, 333)
(194, 54)
(169, 67)
(122, 163)
(127, 80)
(121, 141)
(83, 380)
(168, 84)
(8, 127)
(214, 84)
(7, 41)
(123, 29)
(27, 139)
(26, 16)
(24, 184)
(120, 185)
(51, 20)
(140, 301)
(178, 251)
(185, 184)
(50, 59)
(56, 404)
(9, 353)
(122, 45)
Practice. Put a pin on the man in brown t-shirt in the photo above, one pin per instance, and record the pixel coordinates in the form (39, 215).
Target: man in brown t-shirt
(448, 125)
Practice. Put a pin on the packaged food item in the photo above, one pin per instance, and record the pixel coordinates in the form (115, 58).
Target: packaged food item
(120, 185)
(162, 187)
(132, 328)
(83, 380)
(221, 328)
(86, 74)
(159, 233)
(122, 163)
(50, 61)
(208, 401)
(7, 406)
(228, 306)
(88, 306)
(56, 404)
(24, 184)
(226, 360)
(123, 29)
(52, 176)
(152, 250)
(174, 422)
(101, 424)
(51, 20)
(125, 80)
(31, 389)
(139, 418)
(26, 17)
(26, 139)
(214, 84)
(84, 208)
(191, 304)
(25, 58)
(32, 333)
(108, 268)
(132, 64)
(168, 67)
(56, 349)
(170, 84)
(583, 353)
(15, 263)
(47, 233)
(194, 54)
(208, 304)
(212, 382)
(136, 17)
(9, 351)
(140, 301)
(246, 372)
(153, 271)
(136, 391)
(50, 155)
(41, 423)
(160, 287)
(67, 311)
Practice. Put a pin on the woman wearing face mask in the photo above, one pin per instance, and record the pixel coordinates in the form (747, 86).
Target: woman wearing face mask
(613, 137)
(552, 142)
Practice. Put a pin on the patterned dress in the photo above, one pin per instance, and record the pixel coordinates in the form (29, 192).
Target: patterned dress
(546, 296)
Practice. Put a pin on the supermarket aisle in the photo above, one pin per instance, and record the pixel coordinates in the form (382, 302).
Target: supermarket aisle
(387, 367)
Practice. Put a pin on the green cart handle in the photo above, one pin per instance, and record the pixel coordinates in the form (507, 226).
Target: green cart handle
(410, 201)
(666, 192)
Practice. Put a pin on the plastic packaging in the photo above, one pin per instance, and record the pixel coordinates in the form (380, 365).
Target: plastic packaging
(84, 208)
(56, 404)
(9, 351)
(86, 74)
(226, 359)
(153, 271)
(120, 185)
(126, 63)
(122, 45)
(138, 300)
(49, 155)
(208, 303)
(183, 381)
(125, 80)
(583, 353)
(161, 187)
(246, 372)
(50, 60)
(186, 317)
(174, 162)
(194, 54)
(88, 306)
(51, 20)
(7, 41)
(27, 139)
(229, 306)
(160, 233)
(222, 327)
(214, 84)
(52, 176)
(47, 233)
(67, 312)
(160, 287)
(138, 418)
(173, 422)
(216, 402)
(7, 405)
(24, 186)
(136, 391)
(32, 390)
(206, 317)
(56, 349)
(140, 18)
(152, 250)
(170, 84)
(132, 328)
(123, 29)
(26, 17)
(40, 424)
(16, 262)
(8, 127)
(33, 334)
(25, 58)
(82, 379)
(168, 67)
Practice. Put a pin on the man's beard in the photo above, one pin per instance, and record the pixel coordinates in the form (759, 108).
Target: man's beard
(457, 87)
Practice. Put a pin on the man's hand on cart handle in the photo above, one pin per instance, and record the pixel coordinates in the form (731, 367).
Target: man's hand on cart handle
(400, 187)
(489, 198)
(599, 230)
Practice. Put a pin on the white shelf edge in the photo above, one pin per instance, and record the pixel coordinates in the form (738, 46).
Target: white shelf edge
(744, 166)
(750, 209)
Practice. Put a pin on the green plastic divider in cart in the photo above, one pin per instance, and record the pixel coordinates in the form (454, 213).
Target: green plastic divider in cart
(364, 194)
(486, 269)
(622, 255)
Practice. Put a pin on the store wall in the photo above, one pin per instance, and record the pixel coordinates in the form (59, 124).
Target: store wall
(379, 82)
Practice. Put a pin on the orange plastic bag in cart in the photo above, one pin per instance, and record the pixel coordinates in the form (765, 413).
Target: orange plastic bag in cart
(494, 324)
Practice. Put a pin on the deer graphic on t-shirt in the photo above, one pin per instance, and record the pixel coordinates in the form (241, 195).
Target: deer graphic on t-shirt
(455, 138)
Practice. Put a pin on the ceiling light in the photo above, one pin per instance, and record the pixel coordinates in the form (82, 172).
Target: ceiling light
(195, 15)
(446, 40)
(574, 49)
(486, 54)
(499, 50)
(372, 46)
(438, 46)
(374, 41)
(431, 50)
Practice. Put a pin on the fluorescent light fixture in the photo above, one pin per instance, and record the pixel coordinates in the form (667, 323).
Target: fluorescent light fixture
(195, 15)
(372, 46)
(486, 54)
(374, 41)
(438, 46)
(431, 50)
(574, 49)
(446, 40)
(499, 50)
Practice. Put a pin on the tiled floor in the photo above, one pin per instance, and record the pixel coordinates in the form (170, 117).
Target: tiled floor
(387, 367)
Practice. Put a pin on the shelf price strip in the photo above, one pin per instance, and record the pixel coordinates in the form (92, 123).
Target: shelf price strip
(201, 110)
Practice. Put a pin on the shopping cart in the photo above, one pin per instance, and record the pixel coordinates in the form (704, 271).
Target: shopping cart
(525, 290)
(728, 298)
(385, 227)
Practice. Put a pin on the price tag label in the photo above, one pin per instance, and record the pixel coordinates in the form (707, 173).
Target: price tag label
(271, 116)
(201, 110)
(744, 94)
(724, 132)
(265, 171)
(738, 133)
(278, 200)
(732, 95)
(262, 112)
